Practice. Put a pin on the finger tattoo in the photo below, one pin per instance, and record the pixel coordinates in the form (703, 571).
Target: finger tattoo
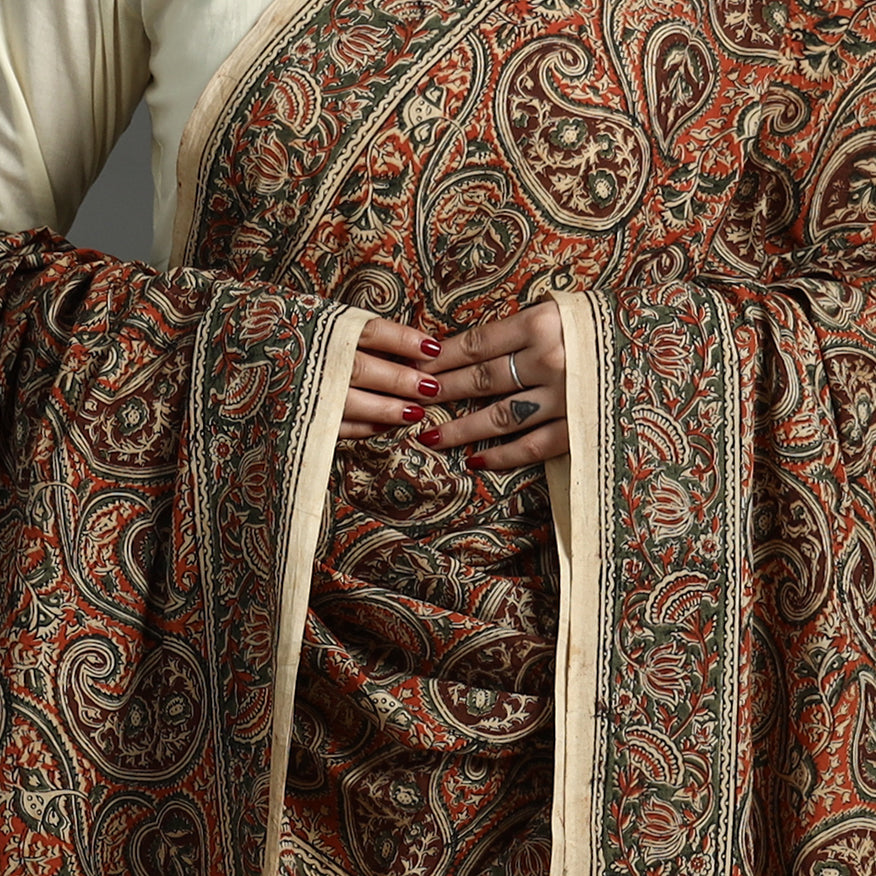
(523, 410)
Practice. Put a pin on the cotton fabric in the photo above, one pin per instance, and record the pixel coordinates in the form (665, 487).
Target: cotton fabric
(693, 188)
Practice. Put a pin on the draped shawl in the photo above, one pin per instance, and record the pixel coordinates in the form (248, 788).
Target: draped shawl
(695, 184)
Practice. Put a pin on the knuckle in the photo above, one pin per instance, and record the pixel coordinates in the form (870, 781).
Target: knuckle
(545, 321)
(402, 383)
(553, 359)
(482, 378)
(500, 415)
(543, 318)
(369, 330)
(473, 343)
(531, 448)
(358, 369)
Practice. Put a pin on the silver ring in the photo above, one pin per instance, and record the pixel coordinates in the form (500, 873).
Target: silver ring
(512, 366)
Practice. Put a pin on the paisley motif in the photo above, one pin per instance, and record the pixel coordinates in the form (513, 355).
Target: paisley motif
(386, 482)
(852, 375)
(786, 110)
(173, 838)
(373, 288)
(858, 589)
(153, 729)
(244, 392)
(766, 202)
(442, 163)
(680, 75)
(864, 742)
(844, 849)
(251, 726)
(168, 838)
(257, 549)
(660, 265)
(845, 193)
(472, 235)
(487, 716)
(752, 840)
(134, 430)
(794, 551)
(388, 838)
(296, 100)
(659, 436)
(678, 596)
(836, 305)
(766, 679)
(584, 166)
(122, 539)
(391, 619)
(752, 31)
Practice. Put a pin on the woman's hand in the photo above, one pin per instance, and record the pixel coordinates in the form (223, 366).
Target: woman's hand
(384, 392)
(485, 361)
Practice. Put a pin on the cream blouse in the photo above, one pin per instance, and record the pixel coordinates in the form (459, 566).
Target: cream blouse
(71, 74)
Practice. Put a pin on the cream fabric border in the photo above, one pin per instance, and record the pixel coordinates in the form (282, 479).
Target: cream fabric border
(574, 482)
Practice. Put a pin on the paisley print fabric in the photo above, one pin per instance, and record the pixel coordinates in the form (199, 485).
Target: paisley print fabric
(424, 736)
(122, 467)
(694, 185)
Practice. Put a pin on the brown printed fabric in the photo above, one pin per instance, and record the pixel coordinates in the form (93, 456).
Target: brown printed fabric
(694, 184)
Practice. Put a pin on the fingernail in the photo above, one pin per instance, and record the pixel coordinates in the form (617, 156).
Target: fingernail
(428, 387)
(430, 438)
(413, 414)
(430, 347)
(476, 463)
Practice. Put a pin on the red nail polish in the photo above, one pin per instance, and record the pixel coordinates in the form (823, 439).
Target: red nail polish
(430, 347)
(429, 387)
(476, 463)
(413, 414)
(430, 438)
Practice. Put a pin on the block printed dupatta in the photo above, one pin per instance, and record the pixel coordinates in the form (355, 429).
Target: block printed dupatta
(695, 184)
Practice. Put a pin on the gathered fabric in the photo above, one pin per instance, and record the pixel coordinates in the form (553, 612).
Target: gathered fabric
(423, 734)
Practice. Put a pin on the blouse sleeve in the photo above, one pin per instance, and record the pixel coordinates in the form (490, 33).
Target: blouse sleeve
(71, 75)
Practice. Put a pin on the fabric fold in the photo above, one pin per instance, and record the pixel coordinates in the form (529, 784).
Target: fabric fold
(149, 636)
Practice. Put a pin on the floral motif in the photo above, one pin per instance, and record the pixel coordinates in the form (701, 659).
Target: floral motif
(260, 320)
(669, 354)
(665, 672)
(266, 166)
(670, 510)
(297, 101)
(663, 834)
(357, 45)
(699, 865)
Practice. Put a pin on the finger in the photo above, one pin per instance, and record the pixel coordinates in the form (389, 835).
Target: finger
(356, 429)
(509, 415)
(386, 336)
(370, 409)
(391, 378)
(359, 429)
(539, 445)
(538, 327)
(493, 377)
(480, 344)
